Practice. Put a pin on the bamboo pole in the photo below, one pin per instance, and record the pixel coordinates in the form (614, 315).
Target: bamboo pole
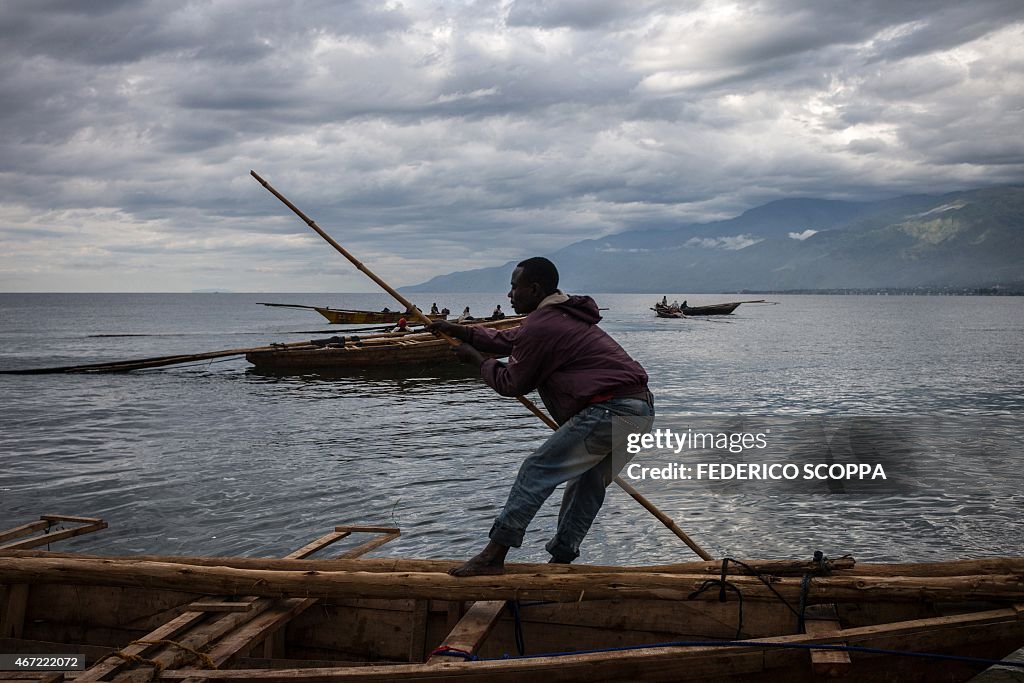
(557, 587)
(546, 419)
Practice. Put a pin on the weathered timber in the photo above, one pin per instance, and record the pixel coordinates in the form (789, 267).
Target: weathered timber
(472, 629)
(767, 567)
(648, 664)
(558, 587)
(822, 620)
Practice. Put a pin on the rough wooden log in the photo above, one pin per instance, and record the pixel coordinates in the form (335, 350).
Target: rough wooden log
(558, 587)
(770, 567)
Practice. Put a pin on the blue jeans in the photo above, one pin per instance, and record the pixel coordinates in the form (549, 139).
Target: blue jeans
(582, 453)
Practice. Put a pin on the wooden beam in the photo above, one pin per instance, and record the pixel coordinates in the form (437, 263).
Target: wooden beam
(23, 530)
(366, 547)
(823, 620)
(190, 630)
(771, 567)
(369, 529)
(558, 587)
(197, 638)
(317, 545)
(240, 641)
(219, 606)
(72, 518)
(418, 629)
(471, 631)
(47, 539)
(168, 631)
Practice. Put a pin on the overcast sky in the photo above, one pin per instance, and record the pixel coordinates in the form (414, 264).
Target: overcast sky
(431, 136)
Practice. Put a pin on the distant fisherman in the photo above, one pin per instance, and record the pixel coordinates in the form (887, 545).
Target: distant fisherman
(585, 379)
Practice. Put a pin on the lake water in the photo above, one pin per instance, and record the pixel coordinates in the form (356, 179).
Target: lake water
(213, 458)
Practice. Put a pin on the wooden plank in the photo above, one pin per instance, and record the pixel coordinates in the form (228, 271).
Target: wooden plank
(242, 639)
(196, 639)
(12, 620)
(471, 631)
(72, 518)
(23, 530)
(317, 545)
(366, 547)
(219, 606)
(369, 529)
(169, 631)
(200, 635)
(46, 539)
(823, 620)
(418, 637)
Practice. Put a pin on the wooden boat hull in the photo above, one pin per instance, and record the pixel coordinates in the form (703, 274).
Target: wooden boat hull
(717, 309)
(337, 316)
(353, 638)
(375, 351)
(686, 311)
(312, 621)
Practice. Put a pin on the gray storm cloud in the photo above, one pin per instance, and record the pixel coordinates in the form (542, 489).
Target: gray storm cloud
(430, 137)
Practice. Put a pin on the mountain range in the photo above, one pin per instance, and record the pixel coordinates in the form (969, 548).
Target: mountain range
(973, 238)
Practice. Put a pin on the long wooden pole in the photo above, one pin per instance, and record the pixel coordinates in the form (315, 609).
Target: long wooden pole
(154, 362)
(839, 565)
(636, 495)
(562, 587)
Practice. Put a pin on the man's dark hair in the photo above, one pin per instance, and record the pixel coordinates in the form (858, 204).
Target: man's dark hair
(542, 271)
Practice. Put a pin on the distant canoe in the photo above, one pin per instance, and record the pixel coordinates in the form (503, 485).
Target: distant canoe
(366, 351)
(346, 316)
(338, 316)
(663, 311)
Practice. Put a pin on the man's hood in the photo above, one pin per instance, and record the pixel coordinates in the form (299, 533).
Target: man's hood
(581, 307)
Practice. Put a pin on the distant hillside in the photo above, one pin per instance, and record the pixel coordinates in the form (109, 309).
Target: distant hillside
(962, 239)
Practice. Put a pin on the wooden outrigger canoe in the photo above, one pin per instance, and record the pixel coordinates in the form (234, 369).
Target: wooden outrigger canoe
(367, 351)
(352, 619)
(338, 316)
(663, 311)
(346, 316)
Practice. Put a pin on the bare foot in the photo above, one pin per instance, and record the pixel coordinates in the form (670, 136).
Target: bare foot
(479, 566)
(490, 561)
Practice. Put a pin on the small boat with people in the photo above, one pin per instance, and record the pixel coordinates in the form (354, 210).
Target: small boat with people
(386, 349)
(663, 309)
(352, 618)
(351, 316)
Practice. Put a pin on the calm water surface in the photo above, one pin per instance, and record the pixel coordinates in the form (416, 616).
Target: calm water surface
(215, 459)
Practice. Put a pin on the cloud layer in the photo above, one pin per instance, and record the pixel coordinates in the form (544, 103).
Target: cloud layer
(435, 136)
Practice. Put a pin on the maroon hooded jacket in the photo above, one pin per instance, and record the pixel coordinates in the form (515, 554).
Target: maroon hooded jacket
(560, 351)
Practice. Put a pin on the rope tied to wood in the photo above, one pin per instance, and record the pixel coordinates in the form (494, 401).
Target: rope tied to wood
(158, 666)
